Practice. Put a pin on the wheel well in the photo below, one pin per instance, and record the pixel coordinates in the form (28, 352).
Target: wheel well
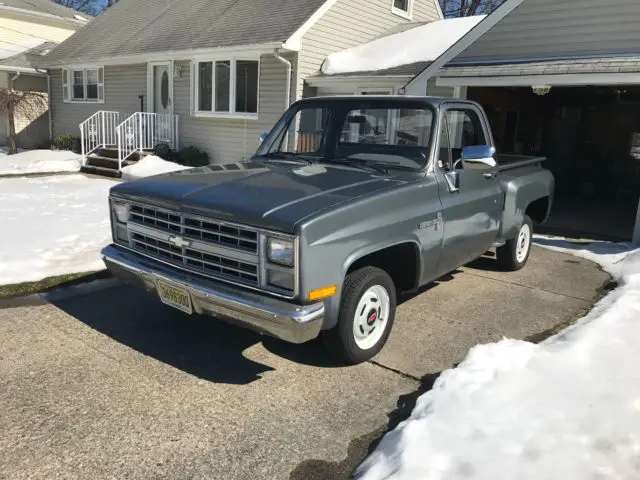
(399, 261)
(537, 210)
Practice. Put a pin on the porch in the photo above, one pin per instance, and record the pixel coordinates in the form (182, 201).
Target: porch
(112, 140)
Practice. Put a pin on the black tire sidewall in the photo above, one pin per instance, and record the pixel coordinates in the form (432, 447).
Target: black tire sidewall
(356, 284)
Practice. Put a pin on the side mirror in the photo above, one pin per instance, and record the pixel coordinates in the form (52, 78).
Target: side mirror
(479, 157)
(263, 137)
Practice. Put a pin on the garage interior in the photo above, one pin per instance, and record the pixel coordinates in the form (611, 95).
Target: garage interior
(591, 137)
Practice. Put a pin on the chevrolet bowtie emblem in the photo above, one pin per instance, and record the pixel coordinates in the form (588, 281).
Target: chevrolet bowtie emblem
(179, 241)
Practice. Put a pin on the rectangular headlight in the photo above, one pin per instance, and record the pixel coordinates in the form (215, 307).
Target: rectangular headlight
(284, 280)
(280, 251)
(121, 211)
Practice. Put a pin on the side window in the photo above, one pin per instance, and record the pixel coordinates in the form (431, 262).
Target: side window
(465, 130)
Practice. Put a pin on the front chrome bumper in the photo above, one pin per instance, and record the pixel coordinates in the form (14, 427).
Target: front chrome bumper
(289, 322)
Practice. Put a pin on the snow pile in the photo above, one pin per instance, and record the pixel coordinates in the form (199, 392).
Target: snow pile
(38, 161)
(148, 166)
(52, 226)
(568, 408)
(420, 44)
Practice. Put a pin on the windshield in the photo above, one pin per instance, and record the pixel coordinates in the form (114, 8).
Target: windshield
(357, 132)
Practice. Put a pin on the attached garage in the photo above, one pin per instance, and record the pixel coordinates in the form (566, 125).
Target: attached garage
(561, 79)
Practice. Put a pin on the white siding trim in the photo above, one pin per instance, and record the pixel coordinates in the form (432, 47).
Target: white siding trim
(401, 13)
(476, 32)
(439, 9)
(529, 80)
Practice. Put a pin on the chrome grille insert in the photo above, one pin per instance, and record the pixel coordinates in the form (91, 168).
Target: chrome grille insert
(209, 247)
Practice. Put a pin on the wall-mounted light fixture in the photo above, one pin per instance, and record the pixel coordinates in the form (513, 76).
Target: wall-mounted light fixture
(177, 70)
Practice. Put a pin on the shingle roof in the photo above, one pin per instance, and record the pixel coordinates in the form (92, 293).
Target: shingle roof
(45, 6)
(626, 64)
(145, 26)
(28, 59)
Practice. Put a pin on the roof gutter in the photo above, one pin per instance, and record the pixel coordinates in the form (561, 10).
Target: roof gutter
(175, 55)
(34, 13)
(8, 68)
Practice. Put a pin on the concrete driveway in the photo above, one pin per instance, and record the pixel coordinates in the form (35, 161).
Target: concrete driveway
(114, 385)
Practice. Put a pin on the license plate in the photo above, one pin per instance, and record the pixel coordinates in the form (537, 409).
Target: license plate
(175, 296)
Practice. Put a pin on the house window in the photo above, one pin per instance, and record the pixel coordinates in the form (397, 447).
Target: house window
(402, 7)
(83, 85)
(227, 87)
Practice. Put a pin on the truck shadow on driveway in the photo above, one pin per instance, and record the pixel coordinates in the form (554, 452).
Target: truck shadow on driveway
(204, 347)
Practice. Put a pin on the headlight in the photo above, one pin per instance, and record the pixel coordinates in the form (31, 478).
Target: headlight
(121, 210)
(280, 251)
(284, 280)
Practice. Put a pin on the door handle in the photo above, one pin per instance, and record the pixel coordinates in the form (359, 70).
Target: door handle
(490, 176)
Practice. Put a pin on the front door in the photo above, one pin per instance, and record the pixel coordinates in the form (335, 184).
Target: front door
(472, 212)
(162, 102)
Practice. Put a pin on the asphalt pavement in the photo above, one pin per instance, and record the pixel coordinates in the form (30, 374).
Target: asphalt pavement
(112, 384)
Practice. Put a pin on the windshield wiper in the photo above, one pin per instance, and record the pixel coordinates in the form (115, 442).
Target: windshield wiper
(372, 166)
(286, 156)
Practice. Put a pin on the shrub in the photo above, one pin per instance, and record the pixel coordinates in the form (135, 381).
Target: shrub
(62, 141)
(191, 157)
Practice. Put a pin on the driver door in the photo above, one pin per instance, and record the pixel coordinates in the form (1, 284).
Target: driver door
(472, 205)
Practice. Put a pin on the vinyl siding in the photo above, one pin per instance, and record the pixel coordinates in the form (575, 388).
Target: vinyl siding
(232, 140)
(552, 28)
(32, 127)
(122, 85)
(434, 90)
(349, 23)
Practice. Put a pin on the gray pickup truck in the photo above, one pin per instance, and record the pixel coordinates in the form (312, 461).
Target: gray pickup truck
(348, 202)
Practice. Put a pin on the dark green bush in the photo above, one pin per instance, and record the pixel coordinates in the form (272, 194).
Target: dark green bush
(62, 141)
(191, 157)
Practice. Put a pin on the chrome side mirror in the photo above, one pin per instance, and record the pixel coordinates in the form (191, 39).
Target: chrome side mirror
(263, 137)
(479, 157)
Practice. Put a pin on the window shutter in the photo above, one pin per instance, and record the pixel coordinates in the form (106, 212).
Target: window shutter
(101, 84)
(65, 84)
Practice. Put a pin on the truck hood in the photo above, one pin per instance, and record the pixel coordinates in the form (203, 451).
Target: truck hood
(268, 195)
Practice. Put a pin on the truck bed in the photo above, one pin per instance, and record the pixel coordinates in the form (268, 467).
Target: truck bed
(509, 161)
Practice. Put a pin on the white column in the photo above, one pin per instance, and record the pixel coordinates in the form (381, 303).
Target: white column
(636, 228)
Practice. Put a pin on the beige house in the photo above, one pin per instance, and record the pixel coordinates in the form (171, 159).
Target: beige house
(28, 31)
(211, 74)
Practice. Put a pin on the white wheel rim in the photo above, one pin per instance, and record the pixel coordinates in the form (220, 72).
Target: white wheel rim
(524, 242)
(371, 318)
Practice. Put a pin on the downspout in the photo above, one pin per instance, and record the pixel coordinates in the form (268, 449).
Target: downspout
(49, 114)
(12, 113)
(287, 100)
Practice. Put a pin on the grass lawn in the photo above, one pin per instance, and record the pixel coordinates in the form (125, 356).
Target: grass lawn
(50, 283)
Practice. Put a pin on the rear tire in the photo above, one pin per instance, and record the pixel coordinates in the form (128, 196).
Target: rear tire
(367, 312)
(513, 255)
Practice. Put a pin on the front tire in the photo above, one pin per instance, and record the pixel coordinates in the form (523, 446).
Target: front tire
(513, 255)
(367, 312)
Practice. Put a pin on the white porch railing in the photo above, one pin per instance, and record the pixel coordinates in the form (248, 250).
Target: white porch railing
(98, 131)
(144, 131)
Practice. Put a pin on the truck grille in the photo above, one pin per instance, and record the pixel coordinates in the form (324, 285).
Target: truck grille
(195, 227)
(211, 248)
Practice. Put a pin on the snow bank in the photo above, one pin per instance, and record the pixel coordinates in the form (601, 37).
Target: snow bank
(568, 408)
(150, 165)
(420, 44)
(38, 161)
(52, 226)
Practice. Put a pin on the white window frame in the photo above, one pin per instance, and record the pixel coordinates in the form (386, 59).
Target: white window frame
(67, 84)
(408, 14)
(195, 86)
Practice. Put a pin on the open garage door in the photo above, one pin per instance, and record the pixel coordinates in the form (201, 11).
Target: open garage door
(591, 136)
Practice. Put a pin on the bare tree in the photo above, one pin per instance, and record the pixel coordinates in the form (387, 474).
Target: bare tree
(25, 104)
(467, 8)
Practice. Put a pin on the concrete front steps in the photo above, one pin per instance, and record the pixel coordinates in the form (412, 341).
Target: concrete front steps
(104, 161)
